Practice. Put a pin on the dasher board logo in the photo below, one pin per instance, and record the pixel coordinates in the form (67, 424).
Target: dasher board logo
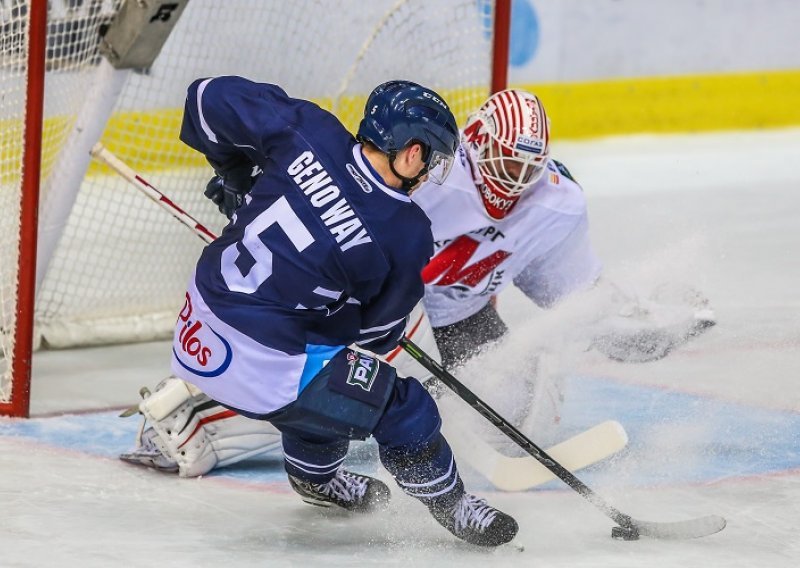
(363, 370)
(197, 347)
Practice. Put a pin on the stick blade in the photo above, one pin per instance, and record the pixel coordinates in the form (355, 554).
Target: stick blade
(681, 530)
(580, 451)
(523, 473)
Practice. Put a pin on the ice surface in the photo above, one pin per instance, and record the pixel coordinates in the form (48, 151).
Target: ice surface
(714, 427)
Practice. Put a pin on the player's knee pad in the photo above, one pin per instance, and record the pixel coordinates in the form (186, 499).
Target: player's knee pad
(410, 419)
(198, 433)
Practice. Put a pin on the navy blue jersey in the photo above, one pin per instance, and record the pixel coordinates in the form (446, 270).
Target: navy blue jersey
(322, 252)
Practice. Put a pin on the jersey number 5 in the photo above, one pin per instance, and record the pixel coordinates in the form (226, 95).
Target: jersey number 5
(279, 212)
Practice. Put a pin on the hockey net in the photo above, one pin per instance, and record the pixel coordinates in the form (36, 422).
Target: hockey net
(112, 267)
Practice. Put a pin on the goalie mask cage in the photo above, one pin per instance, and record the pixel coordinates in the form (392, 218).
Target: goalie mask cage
(107, 265)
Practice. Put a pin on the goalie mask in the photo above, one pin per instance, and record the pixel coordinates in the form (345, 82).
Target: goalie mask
(509, 141)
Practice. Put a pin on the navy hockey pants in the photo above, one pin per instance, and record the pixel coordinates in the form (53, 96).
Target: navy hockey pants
(352, 397)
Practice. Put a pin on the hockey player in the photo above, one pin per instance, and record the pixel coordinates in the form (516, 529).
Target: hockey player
(325, 252)
(507, 213)
(521, 219)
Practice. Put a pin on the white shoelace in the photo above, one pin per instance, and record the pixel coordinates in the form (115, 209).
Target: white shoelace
(345, 486)
(472, 511)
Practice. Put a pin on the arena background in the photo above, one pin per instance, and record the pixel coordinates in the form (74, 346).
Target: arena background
(606, 67)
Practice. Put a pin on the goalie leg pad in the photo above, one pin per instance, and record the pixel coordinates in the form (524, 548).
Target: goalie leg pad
(197, 433)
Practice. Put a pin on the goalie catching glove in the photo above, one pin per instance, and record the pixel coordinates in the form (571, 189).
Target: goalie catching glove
(191, 434)
(648, 330)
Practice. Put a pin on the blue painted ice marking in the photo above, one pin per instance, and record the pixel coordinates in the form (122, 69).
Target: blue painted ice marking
(674, 437)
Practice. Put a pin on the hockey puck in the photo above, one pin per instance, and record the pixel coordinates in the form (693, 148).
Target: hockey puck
(624, 533)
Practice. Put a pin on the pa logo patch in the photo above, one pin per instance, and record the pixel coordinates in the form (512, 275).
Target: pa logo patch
(363, 370)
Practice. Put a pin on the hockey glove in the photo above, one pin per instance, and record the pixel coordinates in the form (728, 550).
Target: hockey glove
(648, 330)
(228, 188)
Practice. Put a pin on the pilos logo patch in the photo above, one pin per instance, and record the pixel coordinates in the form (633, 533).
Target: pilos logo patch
(198, 348)
(363, 370)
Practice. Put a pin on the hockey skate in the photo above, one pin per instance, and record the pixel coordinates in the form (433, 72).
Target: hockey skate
(149, 454)
(474, 521)
(350, 491)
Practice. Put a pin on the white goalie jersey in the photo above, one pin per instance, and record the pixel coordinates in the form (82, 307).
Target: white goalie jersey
(542, 245)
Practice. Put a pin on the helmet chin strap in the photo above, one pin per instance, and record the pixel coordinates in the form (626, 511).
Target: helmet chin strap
(408, 183)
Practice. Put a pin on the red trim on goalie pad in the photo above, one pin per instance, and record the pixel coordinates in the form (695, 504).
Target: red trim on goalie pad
(213, 418)
(398, 349)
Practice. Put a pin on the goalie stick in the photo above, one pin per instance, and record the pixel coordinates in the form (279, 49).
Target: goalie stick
(627, 527)
(505, 473)
(104, 155)
(521, 473)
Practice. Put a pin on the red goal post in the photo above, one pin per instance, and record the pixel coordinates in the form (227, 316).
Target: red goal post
(106, 265)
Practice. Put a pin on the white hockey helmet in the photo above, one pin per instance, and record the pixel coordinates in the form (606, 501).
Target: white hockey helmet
(509, 139)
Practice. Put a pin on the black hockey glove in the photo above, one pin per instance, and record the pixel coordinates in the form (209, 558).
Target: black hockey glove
(228, 188)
